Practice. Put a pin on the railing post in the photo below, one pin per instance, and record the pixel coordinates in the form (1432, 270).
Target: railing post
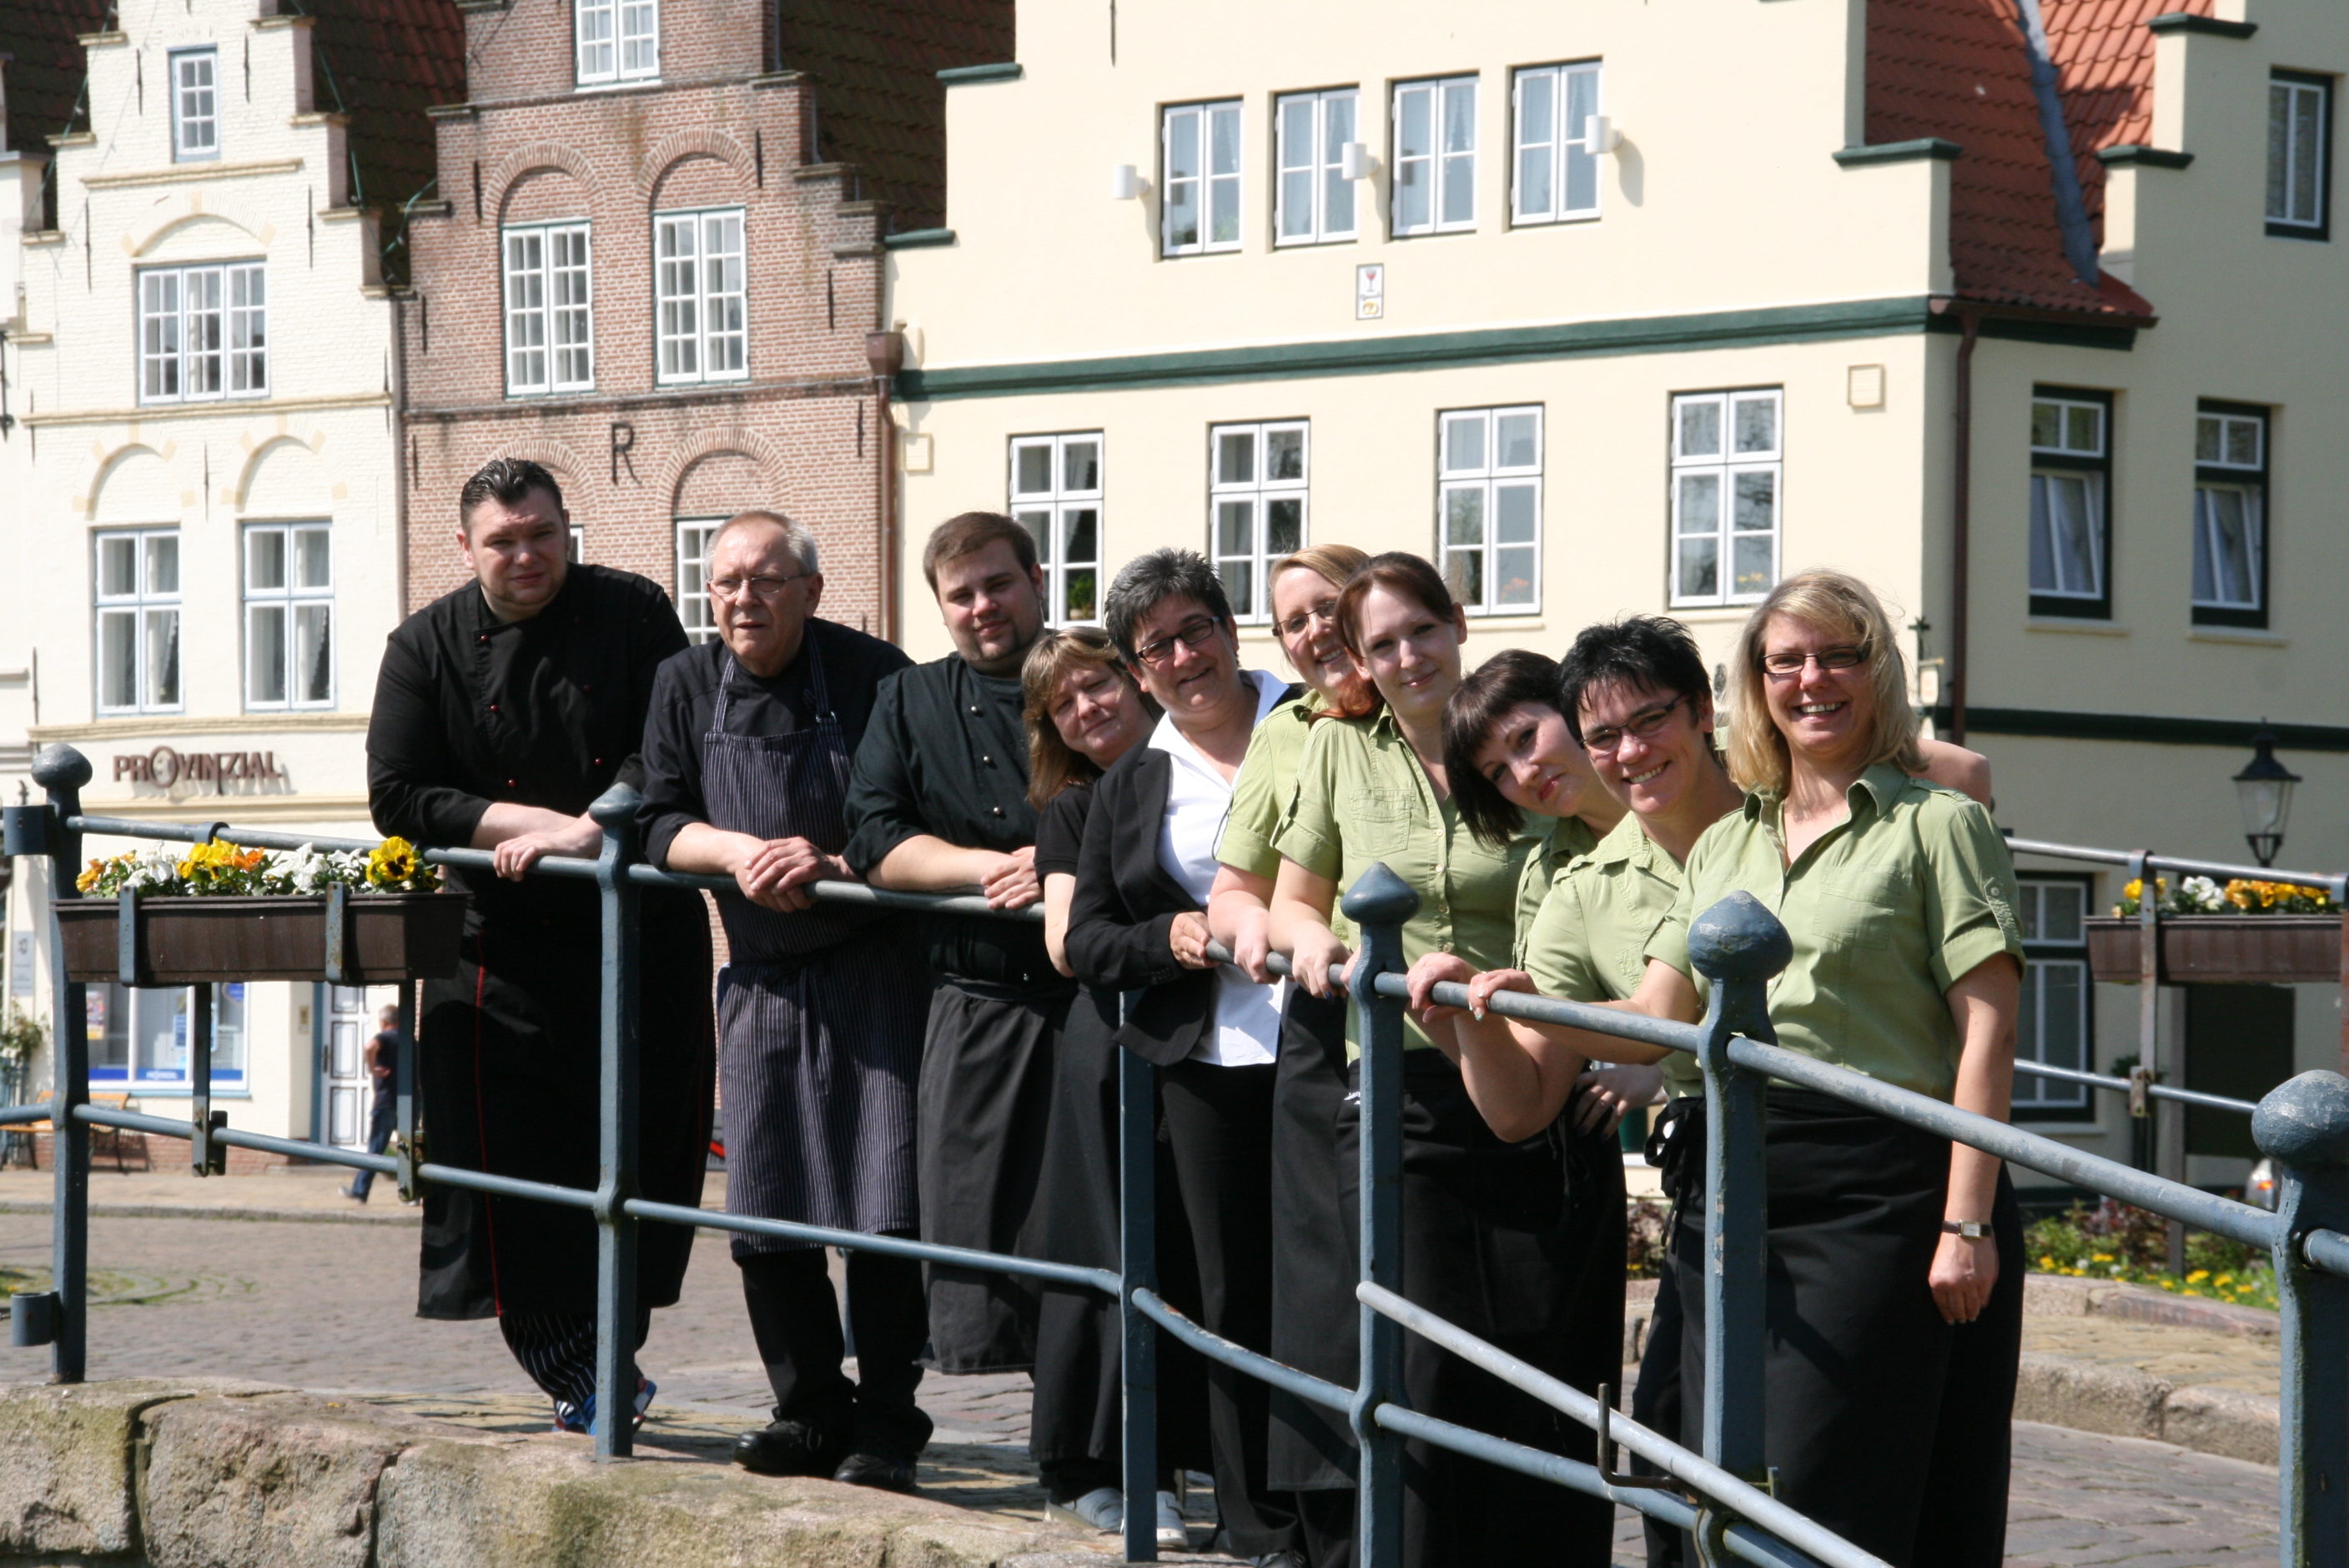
(1378, 903)
(614, 811)
(2168, 1121)
(405, 1098)
(2303, 1126)
(1737, 944)
(1137, 1195)
(61, 771)
(205, 1157)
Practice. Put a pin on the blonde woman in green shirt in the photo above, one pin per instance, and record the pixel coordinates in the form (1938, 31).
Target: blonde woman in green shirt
(1488, 1227)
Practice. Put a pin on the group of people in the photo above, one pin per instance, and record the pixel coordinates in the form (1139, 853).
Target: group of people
(955, 1076)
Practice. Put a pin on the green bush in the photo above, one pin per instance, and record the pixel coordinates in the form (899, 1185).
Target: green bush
(2131, 1247)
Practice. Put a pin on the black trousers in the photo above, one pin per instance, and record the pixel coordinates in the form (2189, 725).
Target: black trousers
(796, 1322)
(1886, 1425)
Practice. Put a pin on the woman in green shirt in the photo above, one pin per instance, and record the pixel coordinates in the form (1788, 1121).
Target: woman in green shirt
(1488, 1226)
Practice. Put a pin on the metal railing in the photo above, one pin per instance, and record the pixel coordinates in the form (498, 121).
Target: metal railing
(2303, 1126)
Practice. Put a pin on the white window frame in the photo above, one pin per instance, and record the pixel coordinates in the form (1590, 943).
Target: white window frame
(289, 602)
(1447, 172)
(195, 105)
(1242, 503)
(203, 332)
(1546, 149)
(701, 300)
(1330, 119)
(1733, 464)
(615, 41)
(2067, 459)
(151, 611)
(1193, 128)
(549, 307)
(2230, 456)
(693, 608)
(2294, 98)
(1056, 516)
(2039, 1098)
(1486, 487)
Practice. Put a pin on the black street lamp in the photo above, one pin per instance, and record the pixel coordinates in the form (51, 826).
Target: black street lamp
(2263, 789)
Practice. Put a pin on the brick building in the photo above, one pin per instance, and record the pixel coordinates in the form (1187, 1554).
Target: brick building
(653, 261)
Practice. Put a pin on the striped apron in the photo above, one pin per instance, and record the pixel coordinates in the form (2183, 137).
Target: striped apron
(820, 1013)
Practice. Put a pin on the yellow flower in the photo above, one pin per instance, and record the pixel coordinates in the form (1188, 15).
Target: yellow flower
(2048, 1261)
(2224, 1279)
(2100, 1257)
(392, 862)
(2197, 1277)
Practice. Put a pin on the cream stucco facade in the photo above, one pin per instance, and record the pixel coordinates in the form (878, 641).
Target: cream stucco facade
(206, 544)
(1730, 248)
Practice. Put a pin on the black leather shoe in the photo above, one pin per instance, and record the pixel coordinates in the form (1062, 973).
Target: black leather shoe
(885, 1471)
(1290, 1558)
(790, 1448)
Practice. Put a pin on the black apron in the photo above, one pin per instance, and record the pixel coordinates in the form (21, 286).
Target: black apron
(820, 1012)
(1314, 1314)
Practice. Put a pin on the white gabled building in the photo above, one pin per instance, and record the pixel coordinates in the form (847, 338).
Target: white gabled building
(203, 473)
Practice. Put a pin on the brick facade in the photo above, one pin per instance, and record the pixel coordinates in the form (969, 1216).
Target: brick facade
(732, 121)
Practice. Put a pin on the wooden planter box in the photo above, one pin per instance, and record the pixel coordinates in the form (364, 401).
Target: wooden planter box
(2222, 949)
(193, 941)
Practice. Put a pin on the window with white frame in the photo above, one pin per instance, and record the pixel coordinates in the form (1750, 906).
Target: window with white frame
(1056, 494)
(698, 293)
(195, 104)
(204, 332)
(1489, 508)
(140, 1036)
(1728, 468)
(1435, 163)
(2071, 489)
(1256, 497)
(550, 309)
(1314, 201)
(2300, 161)
(1199, 208)
(2052, 1027)
(289, 610)
(693, 537)
(1557, 164)
(137, 611)
(2231, 489)
(618, 40)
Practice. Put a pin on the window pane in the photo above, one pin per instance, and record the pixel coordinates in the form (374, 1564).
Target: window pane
(1039, 525)
(1081, 466)
(1463, 445)
(117, 564)
(2278, 152)
(1749, 571)
(2209, 441)
(310, 557)
(1460, 153)
(1414, 193)
(2234, 515)
(1284, 455)
(2307, 154)
(1082, 525)
(2243, 442)
(1296, 167)
(1183, 175)
(1463, 516)
(264, 559)
(1699, 508)
(264, 654)
(1239, 577)
(1754, 509)
(1699, 575)
(1756, 424)
(1337, 190)
(117, 658)
(1536, 130)
(1464, 573)
(2206, 564)
(1236, 457)
(1031, 469)
(162, 563)
(312, 673)
(2083, 429)
(2062, 906)
(162, 653)
(1224, 176)
(1699, 427)
(1235, 528)
(1516, 513)
(1284, 525)
(1518, 440)
(2043, 535)
(1513, 576)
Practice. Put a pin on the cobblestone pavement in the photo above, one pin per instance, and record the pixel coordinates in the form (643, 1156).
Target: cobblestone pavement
(327, 1307)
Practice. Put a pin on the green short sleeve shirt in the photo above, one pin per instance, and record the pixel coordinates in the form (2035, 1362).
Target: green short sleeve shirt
(1362, 797)
(1888, 910)
(1588, 942)
(1558, 842)
(1266, 784)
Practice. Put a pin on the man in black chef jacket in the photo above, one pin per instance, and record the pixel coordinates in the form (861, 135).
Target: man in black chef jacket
(819, 1008)
(939, 802)
(502, 710)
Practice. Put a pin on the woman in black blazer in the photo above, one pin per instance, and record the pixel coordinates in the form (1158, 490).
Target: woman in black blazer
(1137, 923)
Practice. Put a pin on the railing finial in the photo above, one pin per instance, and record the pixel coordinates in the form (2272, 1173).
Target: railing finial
(2304, 1121)
(1738, 939)
(61, 767)
(1378, 897)
(615, 805)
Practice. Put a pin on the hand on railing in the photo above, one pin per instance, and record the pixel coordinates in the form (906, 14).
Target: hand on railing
(1012, 881)
(777, 876)
(513, 857)
(1436, 969)
(1187, 938)
(1314, 955)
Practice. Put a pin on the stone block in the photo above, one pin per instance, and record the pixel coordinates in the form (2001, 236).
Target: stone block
(65, 1460)
(2058, 1296)
(2141, 1304)
(2225, 1421)
(2089, 1397)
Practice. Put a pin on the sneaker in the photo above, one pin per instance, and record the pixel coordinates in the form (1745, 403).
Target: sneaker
(1102, 1509)
(581, 1417)
(1174, 1534)
(353, 1193)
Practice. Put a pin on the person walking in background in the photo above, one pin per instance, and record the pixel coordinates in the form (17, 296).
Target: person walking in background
(819, 1008)
(502, 709)
(382, 1057)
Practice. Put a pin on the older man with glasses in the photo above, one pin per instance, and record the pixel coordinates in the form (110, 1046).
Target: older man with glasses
(820, 1007)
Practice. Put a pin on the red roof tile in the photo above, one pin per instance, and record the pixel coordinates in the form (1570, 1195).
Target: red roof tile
(382, 63)
(43, 83)
(1958, 69)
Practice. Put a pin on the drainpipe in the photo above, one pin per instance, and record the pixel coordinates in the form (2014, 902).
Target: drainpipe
(2070, 208)
(885, 352)
(1962, 524)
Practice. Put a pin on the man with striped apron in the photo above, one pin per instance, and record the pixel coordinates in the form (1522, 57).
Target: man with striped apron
(819, 1008)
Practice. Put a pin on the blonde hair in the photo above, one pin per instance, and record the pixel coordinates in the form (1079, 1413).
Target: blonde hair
(1336, 565)
(1053, 764)
(1842, 605)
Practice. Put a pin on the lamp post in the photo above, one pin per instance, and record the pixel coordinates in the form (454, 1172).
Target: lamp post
(2263, 789)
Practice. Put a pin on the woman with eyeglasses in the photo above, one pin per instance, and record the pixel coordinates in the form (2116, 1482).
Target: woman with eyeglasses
(1084, 711)
(1895, 1309)
(1487, 1225)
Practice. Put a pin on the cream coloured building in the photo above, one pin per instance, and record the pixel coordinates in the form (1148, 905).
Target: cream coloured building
(203, 479)
(1618, 307)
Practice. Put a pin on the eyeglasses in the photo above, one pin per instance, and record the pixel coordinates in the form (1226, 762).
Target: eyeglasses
(1321, 610)
(1190, 633)
(1790, 664)
(762, 587)
(1644, 724)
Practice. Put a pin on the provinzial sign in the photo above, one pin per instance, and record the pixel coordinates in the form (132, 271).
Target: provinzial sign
(164, 767)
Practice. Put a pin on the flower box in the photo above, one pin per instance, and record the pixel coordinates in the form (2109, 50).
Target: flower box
(2222, 949)
(390, 938)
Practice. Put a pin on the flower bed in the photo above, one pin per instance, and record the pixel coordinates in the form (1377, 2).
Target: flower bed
(2126, 1245)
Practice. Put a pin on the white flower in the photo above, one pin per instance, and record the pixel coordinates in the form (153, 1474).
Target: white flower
(2201, 895)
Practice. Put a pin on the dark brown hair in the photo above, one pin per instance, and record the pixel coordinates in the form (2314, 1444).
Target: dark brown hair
(1511, 679)
(505, 480)
(970, 533)
(1053, 764)
(1397, 572)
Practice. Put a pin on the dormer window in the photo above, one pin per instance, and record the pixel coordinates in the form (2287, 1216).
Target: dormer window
(195, 104)
(618, 41)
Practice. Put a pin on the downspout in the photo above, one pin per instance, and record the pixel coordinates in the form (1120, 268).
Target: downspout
(2070, 207)
(885, 352)
(1961, 525)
